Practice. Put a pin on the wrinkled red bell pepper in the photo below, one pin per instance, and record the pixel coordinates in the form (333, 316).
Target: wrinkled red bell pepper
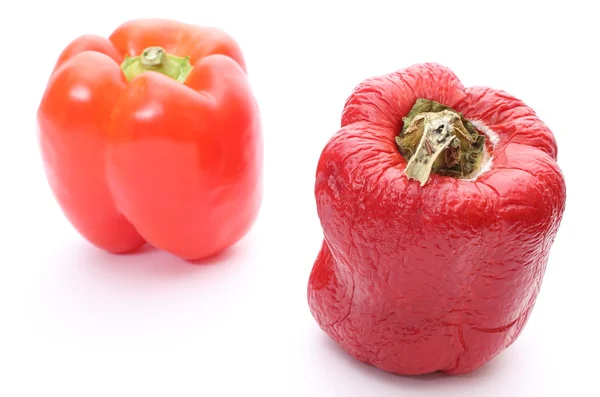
(439, 205)
(153, 135)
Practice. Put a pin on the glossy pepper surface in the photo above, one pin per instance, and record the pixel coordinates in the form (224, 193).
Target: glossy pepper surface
(439, 205)
(153, 135)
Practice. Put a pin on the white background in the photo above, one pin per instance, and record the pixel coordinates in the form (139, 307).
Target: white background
(80, 322)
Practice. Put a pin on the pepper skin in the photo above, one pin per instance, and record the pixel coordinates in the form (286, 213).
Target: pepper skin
(153, 135)
(441, 277)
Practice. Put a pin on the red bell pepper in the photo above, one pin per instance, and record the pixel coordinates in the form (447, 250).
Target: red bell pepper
(153, 135)
(439, 205)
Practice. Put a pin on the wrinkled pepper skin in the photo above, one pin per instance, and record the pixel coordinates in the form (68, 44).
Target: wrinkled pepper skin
(415, 279)
(174, 164)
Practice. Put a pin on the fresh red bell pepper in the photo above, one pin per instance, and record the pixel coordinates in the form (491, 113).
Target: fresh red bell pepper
(439, 205)
(153, 135)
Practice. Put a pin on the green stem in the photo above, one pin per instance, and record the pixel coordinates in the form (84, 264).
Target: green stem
(436, 138)
(155, 59)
